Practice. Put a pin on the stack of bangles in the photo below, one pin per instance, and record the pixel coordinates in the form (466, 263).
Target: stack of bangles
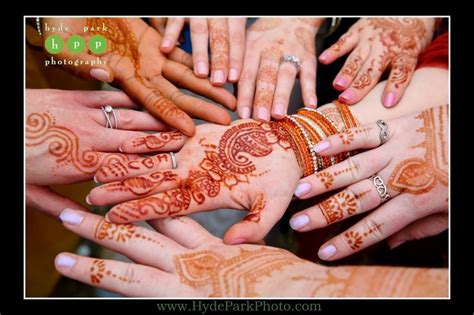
(308, 127)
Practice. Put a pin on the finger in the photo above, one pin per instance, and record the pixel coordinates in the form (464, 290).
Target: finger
(266, 83)
(180, 56)
(219, 42)
(355, 199)
(47, 201)
(365, 80)
(308, 82)
(97, 99)
(159, 24)
(158, 142)
(364, 137)
(182, 76)
(285, 83)
(350, 171)
(350, 70)
(123, 278)
(246, 85)
(189, 198)
(134, 187)
(122, 170)
(263, 215)
(199, 40)
(426, 227)
(161, 107)
(140, 244)
(403, 67)
(237, 47)
(375, 227)
(344, 44)
(196, 235)
(174, 26)
(129, 120)
(110, 140)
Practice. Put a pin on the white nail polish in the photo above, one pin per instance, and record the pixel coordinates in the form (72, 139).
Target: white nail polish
(71, 216)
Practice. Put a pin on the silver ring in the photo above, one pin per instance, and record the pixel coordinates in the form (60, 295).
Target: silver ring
(383, 130)
(294, 60)
(174, 162)
(107, 110)
(381, 188)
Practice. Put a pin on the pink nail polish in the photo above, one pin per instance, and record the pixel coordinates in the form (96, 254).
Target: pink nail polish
(65, 261)
(299, 221)
(347, 96)
(321, 146)
(324, 56)
(278, 110)
(218, 76)
(166, 43)
(237, 241)
(233, 74)
(70, 216)
(341, 82)
(389, 99)
(327, 252)
(99, 74)
(262, 114)
(244, 112)
(312, 102)
(202, 68)
(302, 189)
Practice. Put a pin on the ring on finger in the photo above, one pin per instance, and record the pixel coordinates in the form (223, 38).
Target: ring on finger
(380, 187)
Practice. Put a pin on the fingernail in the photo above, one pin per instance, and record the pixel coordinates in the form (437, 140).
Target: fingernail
(302, 189)
(88, 200)
(99, 74)
(341, 82)
(202, 68)
(245, 112)
(278, 109)
(96, 180)
(120, 149)
(218, 76)
(233, 74)
(237, 241)
(65, 261)
(324, 56)
(347, 96)
(106, 217)
(299, 222)
(321, 146)
(389, 99)
(70, 216)
(327, 252)
(396, 244)
(312, 102)
(262, 113)
(166, 43)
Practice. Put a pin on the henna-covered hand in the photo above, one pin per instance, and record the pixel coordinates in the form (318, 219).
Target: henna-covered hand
(413, 164)
(133, 62)
(219, 167)
(265, 85)
(184, 260)
(66, 140)
(226, 37)
(378, 43)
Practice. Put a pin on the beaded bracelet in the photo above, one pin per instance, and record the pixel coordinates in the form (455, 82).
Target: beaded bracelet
(297, 143)
(349, 120)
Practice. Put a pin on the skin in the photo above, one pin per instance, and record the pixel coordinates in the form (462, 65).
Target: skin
(195, 263)
(143, 72)
(377, 44)
(66, 140)
(245, 195)
(413, 164)
(224, 36)
(265, 86)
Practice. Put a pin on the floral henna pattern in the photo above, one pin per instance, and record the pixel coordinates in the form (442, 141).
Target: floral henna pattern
(257, 208)
(64, 144)
(334, 207)
(120, 233)
(157, 141)
(98, 271)
(142, 185)
(121, 169)
(355, 239)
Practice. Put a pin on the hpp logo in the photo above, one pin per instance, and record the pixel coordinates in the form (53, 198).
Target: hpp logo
(75, 44)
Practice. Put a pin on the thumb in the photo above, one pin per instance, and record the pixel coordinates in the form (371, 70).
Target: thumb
(48, 201)
(263, 215)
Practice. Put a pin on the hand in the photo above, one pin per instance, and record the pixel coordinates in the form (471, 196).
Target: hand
(378, 43)
(219, 167)
(266, 83)
(226, 38)
(174, 263)
(133, 62)
(66, 139)
(413, 164)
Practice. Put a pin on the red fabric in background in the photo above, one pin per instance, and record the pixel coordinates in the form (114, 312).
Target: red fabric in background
(437, 53)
